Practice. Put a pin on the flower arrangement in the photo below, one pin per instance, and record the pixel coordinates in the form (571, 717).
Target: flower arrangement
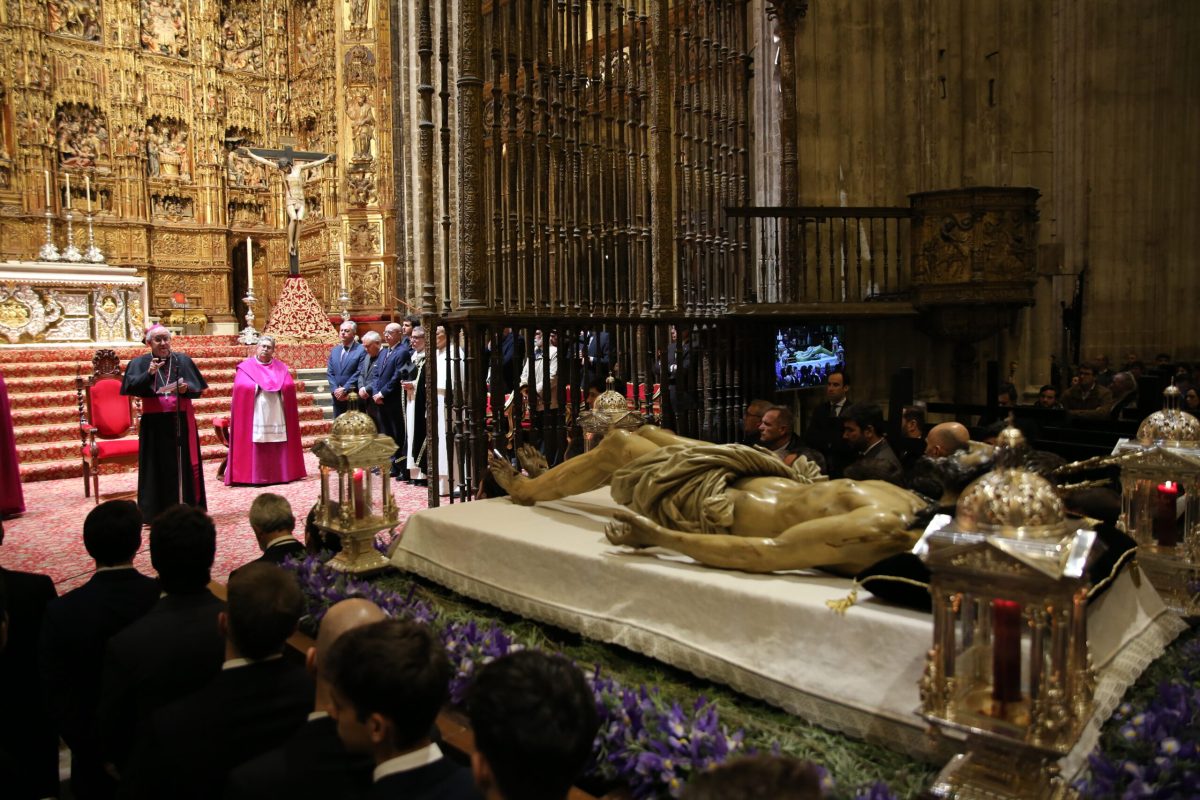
(647, 741)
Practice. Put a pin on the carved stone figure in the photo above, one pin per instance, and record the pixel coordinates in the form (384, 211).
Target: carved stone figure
(241, 36)
(727, 506)
(308, 49)
(164, 27)
(362, 125)
(79, 18)
(81, 135)
(361, 184)
(293, 188)
(363, 238)
(358, 17)
(153, 142)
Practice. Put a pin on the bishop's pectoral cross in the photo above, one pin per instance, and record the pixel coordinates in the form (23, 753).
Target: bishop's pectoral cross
(292, 165)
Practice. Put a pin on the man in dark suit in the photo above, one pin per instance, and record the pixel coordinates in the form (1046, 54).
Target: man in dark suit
(386, 395)
(313, 764)
(77, 629)
(389, 681)
(345, 362)
(596, 352)
(862, 428)
(176, 647)
(256, 701)
(824, 431)
(534, 720)
(372, 343)
(273, 523)
(27, 738)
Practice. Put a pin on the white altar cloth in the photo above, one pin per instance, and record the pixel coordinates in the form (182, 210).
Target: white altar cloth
(769, 636)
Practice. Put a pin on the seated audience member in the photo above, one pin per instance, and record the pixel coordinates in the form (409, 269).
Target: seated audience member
(272, 521)
(1104, 373)
(946, 439)
(254, 703)
(176, 647)
(389, 681)
(775, 433)
(911, 445)
(862, 429)
(874, 469)
(752, 419)
(534, 720)
(1123, 393)
(758, 777)
(313, 764)
(1048, 397)
(1191, 400)
(1086, 394)
(77, 629)
(26, 735)
(1006, 395)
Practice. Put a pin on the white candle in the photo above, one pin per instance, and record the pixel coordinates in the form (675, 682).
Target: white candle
(249, 262)
(87, 187)
(68, 191)
(342, 262)
(46, 172)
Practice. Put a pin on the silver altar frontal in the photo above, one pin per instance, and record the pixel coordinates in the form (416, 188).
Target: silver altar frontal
(53, 302)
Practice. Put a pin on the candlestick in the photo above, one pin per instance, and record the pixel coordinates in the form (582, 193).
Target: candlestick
(87, 189)
(249, 262)
(49, 252)
(71, 253)
(93, 253)
(1006, 653)
(68, 176)
(249, 334)
(342, 264)
(46, 172)
(1166, 514)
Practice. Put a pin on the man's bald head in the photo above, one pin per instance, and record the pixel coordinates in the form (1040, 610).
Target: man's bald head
(342, 617)
(946, 438)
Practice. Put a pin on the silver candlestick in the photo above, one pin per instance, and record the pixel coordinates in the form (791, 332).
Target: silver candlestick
(49, 251)
(249, 333)
(72, 252)
(344, 299)
(93, 253)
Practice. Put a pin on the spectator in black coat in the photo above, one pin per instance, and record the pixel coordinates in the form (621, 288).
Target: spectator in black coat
(273, 523)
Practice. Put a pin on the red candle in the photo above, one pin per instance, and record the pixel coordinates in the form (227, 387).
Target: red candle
(1006, 651)
(1166, 518)
(360, 497)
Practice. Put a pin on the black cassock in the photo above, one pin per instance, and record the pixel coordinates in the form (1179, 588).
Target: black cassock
(167, 435)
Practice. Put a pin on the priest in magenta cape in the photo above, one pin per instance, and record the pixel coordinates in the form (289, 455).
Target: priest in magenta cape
(264, 423)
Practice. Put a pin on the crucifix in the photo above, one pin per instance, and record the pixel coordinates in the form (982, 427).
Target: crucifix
(292, 165)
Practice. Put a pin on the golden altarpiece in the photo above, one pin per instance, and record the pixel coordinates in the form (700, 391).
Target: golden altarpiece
(145, 103)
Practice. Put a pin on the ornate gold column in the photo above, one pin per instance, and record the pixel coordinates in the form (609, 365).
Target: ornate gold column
(472, 269)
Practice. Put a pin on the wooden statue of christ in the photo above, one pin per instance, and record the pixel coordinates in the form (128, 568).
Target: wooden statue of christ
(292, 165)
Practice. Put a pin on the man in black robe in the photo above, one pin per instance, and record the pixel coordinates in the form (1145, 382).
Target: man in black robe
(168, 440)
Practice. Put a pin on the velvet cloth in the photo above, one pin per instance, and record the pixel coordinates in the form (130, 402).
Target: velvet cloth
(263, 463)
(12, 500)
(167, 435)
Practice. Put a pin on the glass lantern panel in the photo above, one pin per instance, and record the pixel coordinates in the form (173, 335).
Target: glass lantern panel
(995, 669)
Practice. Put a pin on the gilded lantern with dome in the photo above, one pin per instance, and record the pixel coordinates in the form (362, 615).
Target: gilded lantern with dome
(1160, 501)
(609, 410)
(356, 490)
(1009, 666)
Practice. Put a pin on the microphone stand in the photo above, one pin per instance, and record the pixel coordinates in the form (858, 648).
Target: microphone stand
(179, 427)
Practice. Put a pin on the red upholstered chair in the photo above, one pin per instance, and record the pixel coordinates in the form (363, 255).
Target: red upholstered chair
(221, 428)
(107, 420)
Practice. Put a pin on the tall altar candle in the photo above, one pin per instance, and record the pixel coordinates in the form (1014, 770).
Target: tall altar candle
(87, 188)
(68, 175)
(1006, 652)
(249, 261)
(46, 172)
(342, 262)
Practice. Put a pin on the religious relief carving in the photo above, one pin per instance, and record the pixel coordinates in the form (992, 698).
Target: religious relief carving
(242, 172)
(359, 16)
(364, 286)
(164, 27)
(362, 125)
(243, 214)
(24, 313)
(308, 39)
(241, 36)
(360, 183)
(360, 66)
(167, 149)
(171, 207)
(315, 207)
(364, 238)
(109, 314)
(82, 136)
(78, 18)
(29, 129)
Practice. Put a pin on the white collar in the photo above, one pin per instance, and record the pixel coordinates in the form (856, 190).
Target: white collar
(407, 762)
(280, 540)
(237, 663)
(113, 568)
(313, 716)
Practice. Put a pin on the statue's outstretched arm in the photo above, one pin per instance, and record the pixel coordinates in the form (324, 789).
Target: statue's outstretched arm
(255, 157)
(318, 162)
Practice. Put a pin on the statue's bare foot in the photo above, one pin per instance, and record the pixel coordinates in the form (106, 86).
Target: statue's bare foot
(509, 479)
(632, 530)
(532, 460)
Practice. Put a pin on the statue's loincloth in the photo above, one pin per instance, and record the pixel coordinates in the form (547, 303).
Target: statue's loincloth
(683, 486)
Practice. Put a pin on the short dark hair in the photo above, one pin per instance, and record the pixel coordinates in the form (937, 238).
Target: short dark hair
(112, 532)
(395, 668)
(1048, 388)
(845, 376)
(1008, 389)
(914, 413)
(866, 415)
(264, 605)
(754, 777)
(183, 543)
(1090, 366)
(785, 416)
(534, 719)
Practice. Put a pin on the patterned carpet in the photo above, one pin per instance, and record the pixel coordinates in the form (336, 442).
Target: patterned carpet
(48, 538)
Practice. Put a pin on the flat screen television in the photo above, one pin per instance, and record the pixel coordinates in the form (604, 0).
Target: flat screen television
(806, 353)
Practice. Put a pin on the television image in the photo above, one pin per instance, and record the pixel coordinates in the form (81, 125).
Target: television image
(806, 353)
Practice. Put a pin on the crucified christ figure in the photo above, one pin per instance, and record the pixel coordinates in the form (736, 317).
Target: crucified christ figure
(728, 506)
(293, 188)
